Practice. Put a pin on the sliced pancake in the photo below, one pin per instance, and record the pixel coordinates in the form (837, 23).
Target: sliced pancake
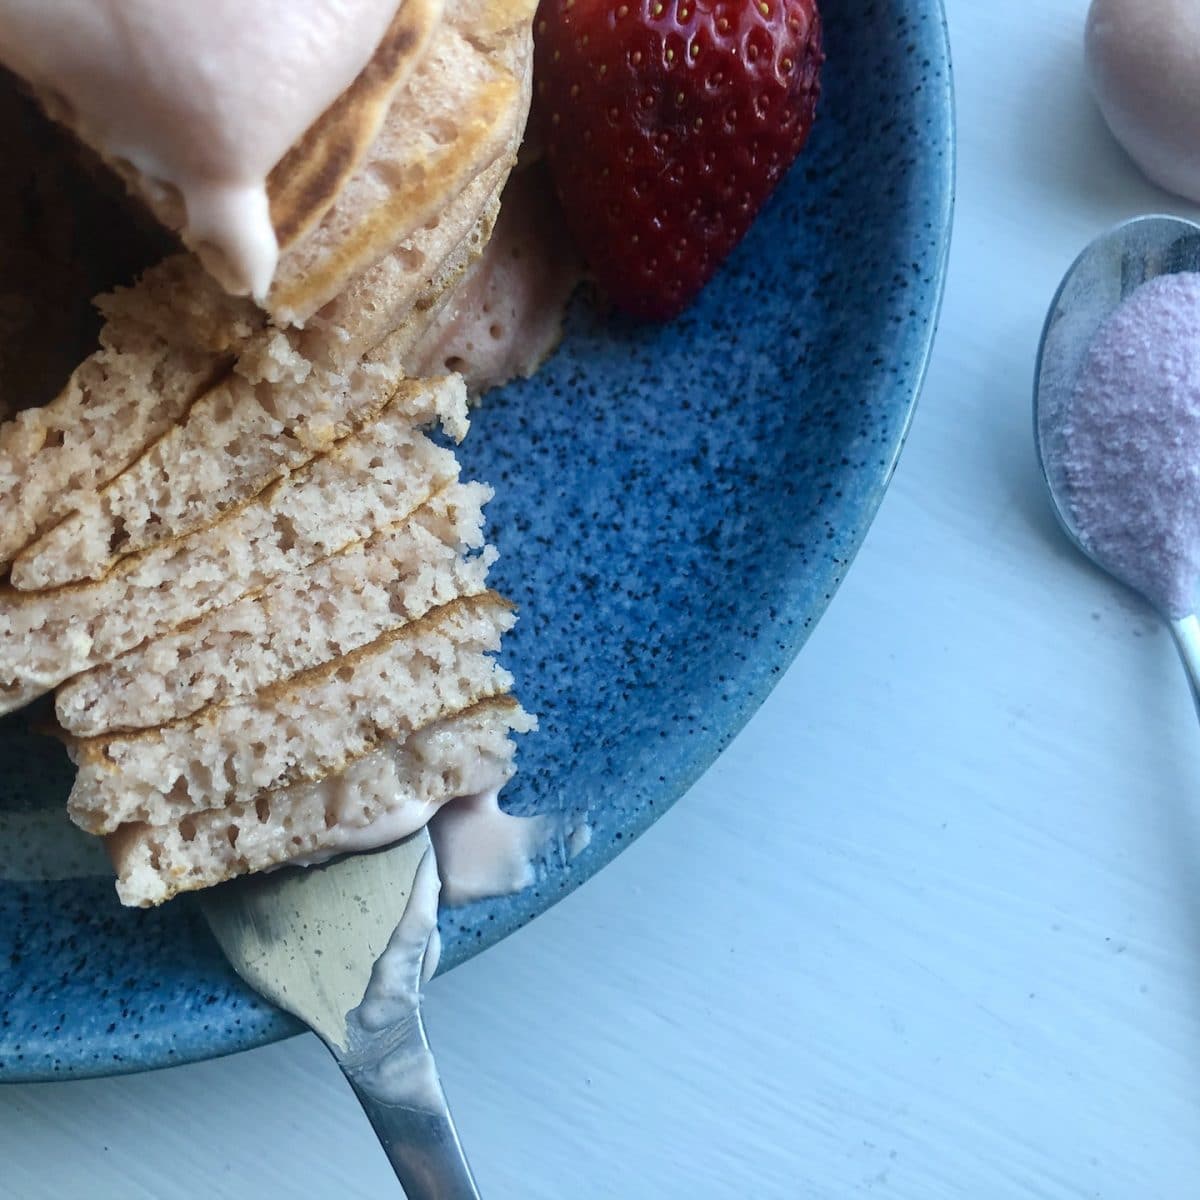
(505, 315)
(378, 799)
(237, 439)
(307, 180)
(184, 307)
(125, 394)
(175, 337)
(464, 107)
(366, 482)
(297, 621)
(310, 726)
(412, 278)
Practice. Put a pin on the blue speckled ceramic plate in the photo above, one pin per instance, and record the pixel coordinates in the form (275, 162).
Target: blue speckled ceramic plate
(675, 507)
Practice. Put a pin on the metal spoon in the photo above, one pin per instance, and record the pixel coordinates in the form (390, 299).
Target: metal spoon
(1113, 266)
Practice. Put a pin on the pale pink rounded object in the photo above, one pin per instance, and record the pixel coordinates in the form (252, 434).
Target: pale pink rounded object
(1143, 62)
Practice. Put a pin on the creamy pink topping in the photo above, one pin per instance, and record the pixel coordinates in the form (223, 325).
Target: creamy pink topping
(205, 97)
(483, 851)
(506, 316)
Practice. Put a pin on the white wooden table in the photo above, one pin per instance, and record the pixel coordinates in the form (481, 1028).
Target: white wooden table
(931, 928)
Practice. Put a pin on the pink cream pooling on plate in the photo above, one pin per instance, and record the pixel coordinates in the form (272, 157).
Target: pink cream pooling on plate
(1129, 454)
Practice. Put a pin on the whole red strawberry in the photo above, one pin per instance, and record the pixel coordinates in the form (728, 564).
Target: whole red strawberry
(667, 123)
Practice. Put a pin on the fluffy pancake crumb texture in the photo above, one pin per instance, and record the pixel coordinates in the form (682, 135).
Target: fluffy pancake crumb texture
(231, 543)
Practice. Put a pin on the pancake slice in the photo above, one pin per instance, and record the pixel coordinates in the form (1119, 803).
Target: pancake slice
(239, 438)
(415, 276)
(366, 482)
(306, 181)
(312, 725)
(378, 799)
(297, 621)
(115, 401)
(464, 107)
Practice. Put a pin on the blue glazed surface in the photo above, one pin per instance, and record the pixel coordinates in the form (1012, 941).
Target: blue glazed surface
(675, 507)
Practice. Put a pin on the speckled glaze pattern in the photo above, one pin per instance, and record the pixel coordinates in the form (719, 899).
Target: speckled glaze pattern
(675, 508)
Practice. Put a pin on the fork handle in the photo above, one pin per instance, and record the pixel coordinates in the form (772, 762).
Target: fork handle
(422, 1145)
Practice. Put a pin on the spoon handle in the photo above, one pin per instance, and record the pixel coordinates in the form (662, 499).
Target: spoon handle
(1186, 632)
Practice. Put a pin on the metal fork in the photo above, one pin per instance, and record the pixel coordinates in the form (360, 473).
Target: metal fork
(309, 940)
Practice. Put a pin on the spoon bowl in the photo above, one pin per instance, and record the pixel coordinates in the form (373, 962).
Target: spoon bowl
(1112, 267)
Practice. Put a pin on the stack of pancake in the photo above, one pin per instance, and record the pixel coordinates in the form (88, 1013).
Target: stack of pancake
(255, 581)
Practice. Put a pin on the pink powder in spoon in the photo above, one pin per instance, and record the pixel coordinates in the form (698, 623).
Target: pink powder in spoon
(1130, 446)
